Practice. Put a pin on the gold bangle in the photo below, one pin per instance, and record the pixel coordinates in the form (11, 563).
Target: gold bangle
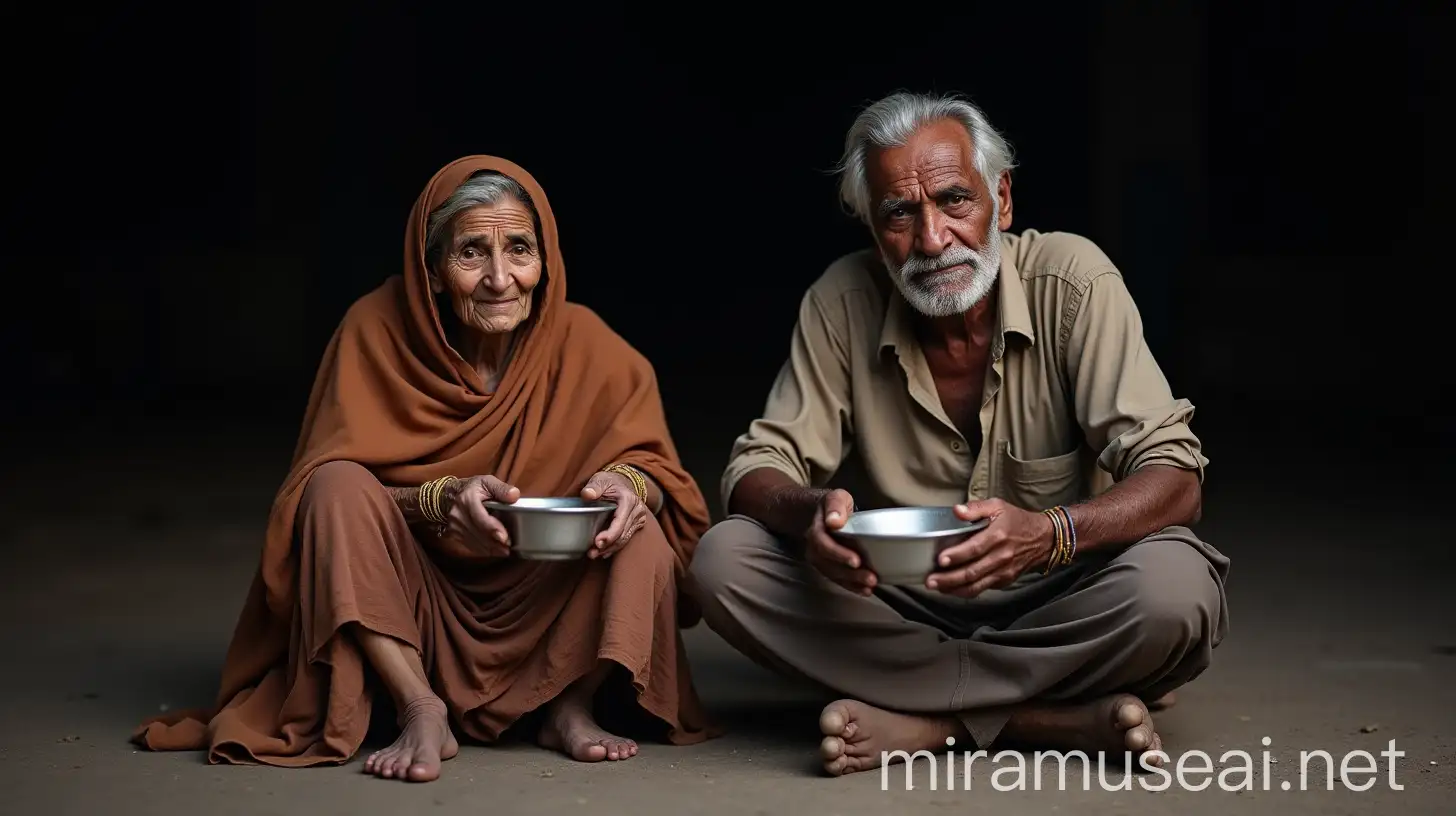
(429, 499)
(639, 482)
(440, 494)
(434, 500)
(1058, 541)
(427, 505)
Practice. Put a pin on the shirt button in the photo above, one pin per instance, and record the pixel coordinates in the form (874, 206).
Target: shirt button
(956, 446)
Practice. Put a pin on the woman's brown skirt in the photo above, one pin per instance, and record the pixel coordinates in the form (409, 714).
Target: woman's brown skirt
(498, 639)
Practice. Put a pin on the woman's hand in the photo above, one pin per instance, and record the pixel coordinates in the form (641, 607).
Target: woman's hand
(630, 517)
(468, 522)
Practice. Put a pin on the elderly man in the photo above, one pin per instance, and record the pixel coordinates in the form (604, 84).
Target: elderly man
(1005, 375)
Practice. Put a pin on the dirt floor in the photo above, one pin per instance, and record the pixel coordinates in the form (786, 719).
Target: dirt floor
(123, 575)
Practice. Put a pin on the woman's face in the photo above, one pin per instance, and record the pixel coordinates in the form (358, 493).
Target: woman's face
(490, 266)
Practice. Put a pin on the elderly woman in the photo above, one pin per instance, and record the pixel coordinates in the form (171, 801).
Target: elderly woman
(468, 379)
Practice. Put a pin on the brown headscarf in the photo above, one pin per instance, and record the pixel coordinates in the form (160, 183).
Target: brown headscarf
(392, 395)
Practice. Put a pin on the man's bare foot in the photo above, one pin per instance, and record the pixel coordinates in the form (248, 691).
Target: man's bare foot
(856, 735)
(570, 729)
(424, 742)
(1116, 724)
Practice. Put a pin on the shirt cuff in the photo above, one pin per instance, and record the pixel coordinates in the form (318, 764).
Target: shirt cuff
(1166, 441)
(1174, 454)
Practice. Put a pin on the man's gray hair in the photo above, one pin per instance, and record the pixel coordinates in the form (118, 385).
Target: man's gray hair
(891, 122)
(480, 190)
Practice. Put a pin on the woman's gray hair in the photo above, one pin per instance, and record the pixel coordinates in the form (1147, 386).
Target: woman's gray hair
(891, 122)
(480, 190)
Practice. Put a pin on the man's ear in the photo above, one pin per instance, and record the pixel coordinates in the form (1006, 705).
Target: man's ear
(1003, 195)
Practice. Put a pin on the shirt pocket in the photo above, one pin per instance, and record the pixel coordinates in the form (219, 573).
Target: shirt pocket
(1037, 484)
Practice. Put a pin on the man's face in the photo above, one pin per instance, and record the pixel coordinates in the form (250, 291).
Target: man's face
(936, 222)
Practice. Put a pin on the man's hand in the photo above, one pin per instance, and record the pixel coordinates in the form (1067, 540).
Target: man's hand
(837, 562)
(1015, 541)
(628, 519)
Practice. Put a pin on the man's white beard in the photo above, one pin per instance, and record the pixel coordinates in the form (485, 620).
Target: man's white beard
(956, 292)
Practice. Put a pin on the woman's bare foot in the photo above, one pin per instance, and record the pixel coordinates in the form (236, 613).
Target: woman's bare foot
(570, 729)
(424, 742)
(1118, 724)
(857, 735)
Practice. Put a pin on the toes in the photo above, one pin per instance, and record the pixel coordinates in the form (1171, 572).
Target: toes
(1139, 738)
(834, 719)
(424, 766)
(1129, 715)
(832, 749)
(423, 772)
(382, 762)
(1154, 756)
(593, 752)
(848, 764)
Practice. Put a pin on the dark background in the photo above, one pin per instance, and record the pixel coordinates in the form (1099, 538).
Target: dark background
(197, 193)
(201, 195)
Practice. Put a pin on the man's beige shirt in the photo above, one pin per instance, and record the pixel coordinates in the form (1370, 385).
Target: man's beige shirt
(1073, 400)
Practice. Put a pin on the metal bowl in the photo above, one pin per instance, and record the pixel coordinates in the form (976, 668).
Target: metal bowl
(556, 529)
(901, 544)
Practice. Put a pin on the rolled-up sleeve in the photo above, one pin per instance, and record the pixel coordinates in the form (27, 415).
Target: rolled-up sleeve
(1123, 401)
(806, 419)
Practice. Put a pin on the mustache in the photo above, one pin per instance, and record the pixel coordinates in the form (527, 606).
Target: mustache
(918, 264)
